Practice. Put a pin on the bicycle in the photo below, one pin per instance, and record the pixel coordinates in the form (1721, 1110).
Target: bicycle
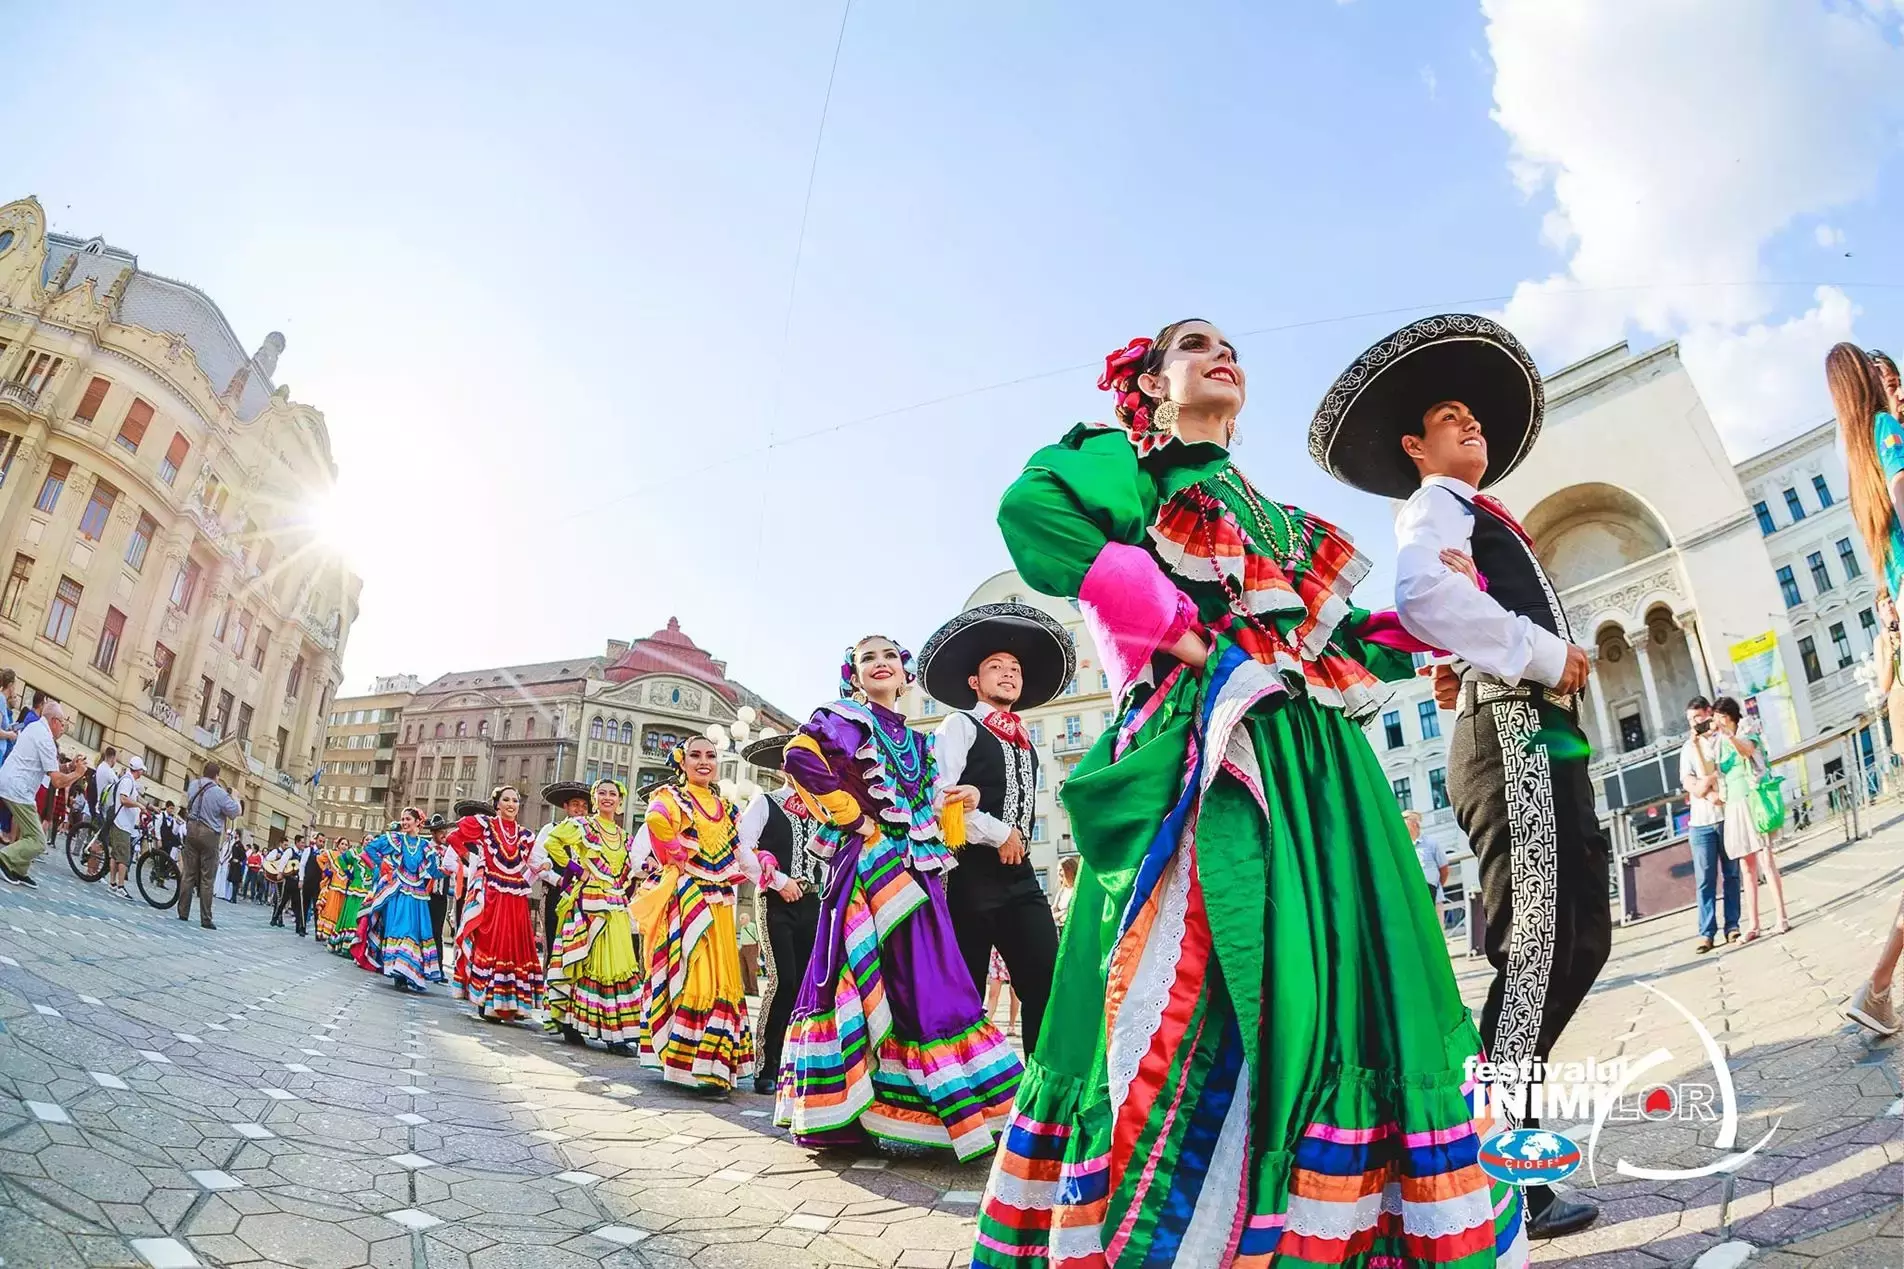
(157, 874)
(86, 856)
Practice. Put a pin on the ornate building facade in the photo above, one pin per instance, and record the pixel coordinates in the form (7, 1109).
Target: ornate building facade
(614, 714)
(160, 577)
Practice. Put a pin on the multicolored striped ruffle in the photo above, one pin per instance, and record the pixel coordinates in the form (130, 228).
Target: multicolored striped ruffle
(606, 1010)
(705, 1048)
(414, 961)
(844, 1071)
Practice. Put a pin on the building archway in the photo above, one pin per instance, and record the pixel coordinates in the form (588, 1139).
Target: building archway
(1585, 531)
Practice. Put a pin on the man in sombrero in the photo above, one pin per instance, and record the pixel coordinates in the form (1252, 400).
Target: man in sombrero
(792, 878)
(1433, 415)
(986, 663)
(570, 798)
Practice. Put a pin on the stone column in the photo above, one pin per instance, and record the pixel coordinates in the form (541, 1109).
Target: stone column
(1696, 649)
(1609, 743)
(1642, 642)
(24, 479)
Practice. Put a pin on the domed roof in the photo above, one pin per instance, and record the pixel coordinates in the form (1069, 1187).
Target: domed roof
(668, 651)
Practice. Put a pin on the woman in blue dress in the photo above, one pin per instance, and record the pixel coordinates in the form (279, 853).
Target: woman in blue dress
(402, 899)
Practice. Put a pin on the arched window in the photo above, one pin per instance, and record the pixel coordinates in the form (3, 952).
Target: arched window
(462, 727)
(595, 727)
(627, 733)
(406, 733)
(439, 731)
(508, 724)
(482, 727)
(528, 725)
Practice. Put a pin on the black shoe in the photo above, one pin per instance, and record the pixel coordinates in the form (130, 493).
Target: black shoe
(765, 1085)
(571, 1036)
(18, 878)
(1563, 1216)
(206, 925)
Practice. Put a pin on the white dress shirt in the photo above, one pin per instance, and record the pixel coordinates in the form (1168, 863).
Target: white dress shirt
(951, 746)
(753, 822)
(1441, 607)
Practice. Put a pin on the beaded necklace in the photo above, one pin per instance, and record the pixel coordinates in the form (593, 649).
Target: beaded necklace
(907, 757)
(1279, 546)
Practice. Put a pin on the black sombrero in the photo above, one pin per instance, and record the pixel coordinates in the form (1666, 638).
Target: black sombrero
(436, 822)
(564, 791)
(470, 806)
(768, 752)
(954, 652)
(1357, 433)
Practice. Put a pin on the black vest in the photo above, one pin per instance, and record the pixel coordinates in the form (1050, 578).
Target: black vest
(1515, 579)
(788, 838)
(1006, 778)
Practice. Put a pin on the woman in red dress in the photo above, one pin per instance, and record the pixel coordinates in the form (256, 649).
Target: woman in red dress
(497, 966)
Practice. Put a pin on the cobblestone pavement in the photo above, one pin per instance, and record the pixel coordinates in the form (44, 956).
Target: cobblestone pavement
(175, 1096)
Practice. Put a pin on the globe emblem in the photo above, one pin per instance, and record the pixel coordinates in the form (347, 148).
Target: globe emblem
(1529, 1156)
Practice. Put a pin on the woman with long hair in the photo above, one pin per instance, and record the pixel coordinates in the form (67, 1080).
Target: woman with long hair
(1873, 441)
(694, 1011)
(594, 979)
(409, 872)
(1741, 763)
(498, 968)
(1888, 380)
(353, 879)
(889, 1040)
(1256, 1046)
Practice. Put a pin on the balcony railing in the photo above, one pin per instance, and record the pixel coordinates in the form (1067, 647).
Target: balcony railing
(1070, 744)
(20, 395)
(161, 709)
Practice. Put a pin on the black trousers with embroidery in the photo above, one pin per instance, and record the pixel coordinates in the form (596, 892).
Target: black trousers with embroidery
(1517, 775)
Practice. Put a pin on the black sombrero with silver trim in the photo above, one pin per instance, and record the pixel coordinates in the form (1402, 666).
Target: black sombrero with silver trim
(1357, 433)
(768, 752)
(470, 806)
(1045, 653)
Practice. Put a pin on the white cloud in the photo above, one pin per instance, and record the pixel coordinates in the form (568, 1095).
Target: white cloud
(1675, 141)
(1763, 382)
(1828, 236)
(1429, 81)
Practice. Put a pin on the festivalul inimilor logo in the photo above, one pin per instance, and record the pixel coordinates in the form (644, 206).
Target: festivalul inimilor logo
(1601, 1091)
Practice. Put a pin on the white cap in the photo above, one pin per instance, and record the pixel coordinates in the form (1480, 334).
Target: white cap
(137, 763)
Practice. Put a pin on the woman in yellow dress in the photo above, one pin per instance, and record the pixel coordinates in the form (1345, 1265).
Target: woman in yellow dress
(694, 1019)
(594, 979)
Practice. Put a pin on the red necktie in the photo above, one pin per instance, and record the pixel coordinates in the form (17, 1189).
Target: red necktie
(1493, 507)
(1008, 727)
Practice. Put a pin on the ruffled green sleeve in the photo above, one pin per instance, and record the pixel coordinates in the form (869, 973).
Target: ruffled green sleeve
(1388, 664)
(1073, 498)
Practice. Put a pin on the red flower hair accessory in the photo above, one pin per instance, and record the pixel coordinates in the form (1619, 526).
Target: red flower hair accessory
(1120, 379)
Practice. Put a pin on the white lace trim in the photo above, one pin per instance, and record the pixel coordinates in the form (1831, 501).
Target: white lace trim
(1322, 1218)
(1224, 1190)
(1076, 1242)
(1016, 1191)
(1143, 1009)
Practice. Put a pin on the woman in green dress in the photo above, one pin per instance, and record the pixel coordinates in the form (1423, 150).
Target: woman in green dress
(357, 879)
(1256, 1046)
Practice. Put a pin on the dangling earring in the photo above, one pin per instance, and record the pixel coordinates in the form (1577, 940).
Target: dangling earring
(1164, 417)
(1229, 434)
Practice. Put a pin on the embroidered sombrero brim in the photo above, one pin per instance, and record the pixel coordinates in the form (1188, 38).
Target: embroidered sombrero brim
(470, 806)
(1046, 655)
(565, 791)
(1357, 433)
(767, 752)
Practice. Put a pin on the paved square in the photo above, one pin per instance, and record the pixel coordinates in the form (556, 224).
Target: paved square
(194, 1158)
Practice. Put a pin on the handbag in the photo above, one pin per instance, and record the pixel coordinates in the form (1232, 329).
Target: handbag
(1767, 802)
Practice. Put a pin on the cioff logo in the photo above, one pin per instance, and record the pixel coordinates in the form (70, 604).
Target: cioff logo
(1613, 1090)
(1529, 1156)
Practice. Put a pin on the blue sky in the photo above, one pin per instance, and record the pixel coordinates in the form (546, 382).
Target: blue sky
(535, 267)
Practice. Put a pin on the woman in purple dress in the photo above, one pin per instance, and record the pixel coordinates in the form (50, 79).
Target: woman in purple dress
(889, 1040)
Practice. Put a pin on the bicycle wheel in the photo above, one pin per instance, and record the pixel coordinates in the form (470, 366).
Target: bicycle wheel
(86, 856)
(158, 878)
